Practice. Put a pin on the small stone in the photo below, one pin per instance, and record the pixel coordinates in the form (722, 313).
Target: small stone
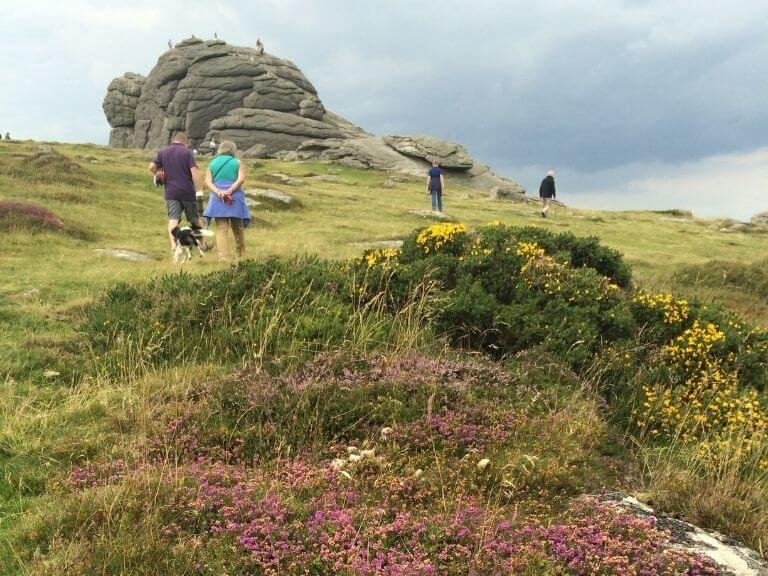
(483, 464)
(338, 464)
(51, 373)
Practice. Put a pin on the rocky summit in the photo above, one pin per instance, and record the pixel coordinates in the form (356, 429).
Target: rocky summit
(265, 104)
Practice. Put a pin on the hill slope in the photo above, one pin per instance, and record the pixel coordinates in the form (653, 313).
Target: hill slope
(441, 408)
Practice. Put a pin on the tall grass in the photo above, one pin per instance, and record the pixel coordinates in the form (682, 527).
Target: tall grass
(728, 492)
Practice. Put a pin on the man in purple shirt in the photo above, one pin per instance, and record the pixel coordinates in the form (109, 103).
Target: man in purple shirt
(182, 177)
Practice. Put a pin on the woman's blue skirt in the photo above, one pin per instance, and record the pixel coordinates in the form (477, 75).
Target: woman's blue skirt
(218, 209)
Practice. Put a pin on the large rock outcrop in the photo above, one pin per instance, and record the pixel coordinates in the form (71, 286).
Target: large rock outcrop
(266, 105)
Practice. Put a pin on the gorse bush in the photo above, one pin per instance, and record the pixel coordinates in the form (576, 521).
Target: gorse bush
(509, 289)
(708, 382)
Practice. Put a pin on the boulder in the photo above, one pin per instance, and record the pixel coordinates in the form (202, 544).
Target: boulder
(277, 131)
(360, 152)
(513, 193)
(122, 99)
(429, 148)
(276, 195)
(732, 557)
(119, 107)
(284, 179)
(255, 151)
(121, 137)
(759, 219)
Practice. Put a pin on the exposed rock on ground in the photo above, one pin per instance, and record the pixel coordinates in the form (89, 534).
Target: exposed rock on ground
(507, 193)
(266, 105)
(735, 558)
(285, 179)
(276, 195)
(124, 254)
(431, 214)
(377, 244)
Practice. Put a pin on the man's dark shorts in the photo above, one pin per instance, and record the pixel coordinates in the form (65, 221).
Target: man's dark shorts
(176, 207)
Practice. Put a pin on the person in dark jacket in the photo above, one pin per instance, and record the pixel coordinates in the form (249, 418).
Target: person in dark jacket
(547, 192)
(435, 185)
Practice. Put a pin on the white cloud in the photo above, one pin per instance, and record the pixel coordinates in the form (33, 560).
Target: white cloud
(141, 19)
(727, 185)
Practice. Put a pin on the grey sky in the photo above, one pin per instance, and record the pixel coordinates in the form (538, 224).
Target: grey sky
(610, 94)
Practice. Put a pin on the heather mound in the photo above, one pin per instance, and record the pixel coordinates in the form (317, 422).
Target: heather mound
(28, 217)
(48, 166)
(370, 466)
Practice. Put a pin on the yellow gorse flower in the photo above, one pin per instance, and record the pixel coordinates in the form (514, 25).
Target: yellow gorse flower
(708, 408)
(432, 239)
(383, 257)
(675, 310)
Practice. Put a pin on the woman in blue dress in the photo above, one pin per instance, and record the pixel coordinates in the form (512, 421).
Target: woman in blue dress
(226, 205)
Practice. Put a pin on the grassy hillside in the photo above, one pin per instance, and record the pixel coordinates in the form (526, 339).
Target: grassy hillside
(483, 379)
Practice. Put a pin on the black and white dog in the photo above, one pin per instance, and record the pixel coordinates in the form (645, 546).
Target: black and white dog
(186, 238)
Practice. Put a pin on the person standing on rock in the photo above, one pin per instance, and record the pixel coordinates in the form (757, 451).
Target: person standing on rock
(181, 178)
(212, 147)
(435, 186)
(226, 205)
(547, 192)
(259, 47)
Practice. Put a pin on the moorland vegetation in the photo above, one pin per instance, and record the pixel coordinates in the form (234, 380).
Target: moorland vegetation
(457, 404)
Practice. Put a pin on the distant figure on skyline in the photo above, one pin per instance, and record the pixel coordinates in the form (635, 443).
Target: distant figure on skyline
(547, 192)
(215, 35)
(435, 185)
(7, 135)
(259, 47)
(170, 44)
